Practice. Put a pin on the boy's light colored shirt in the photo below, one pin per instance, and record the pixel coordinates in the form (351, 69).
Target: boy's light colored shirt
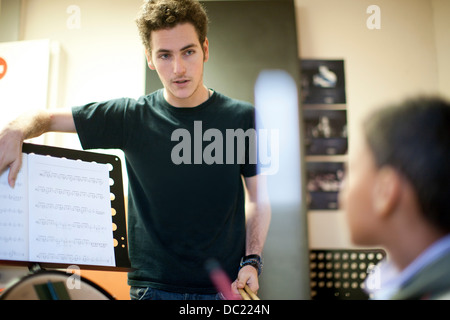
(385, 279)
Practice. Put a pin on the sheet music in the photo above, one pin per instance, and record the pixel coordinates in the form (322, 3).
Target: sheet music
(70, 217)
(14, 216)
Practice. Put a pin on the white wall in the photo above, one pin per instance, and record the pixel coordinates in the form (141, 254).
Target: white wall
(407, 56)
(101, 53)
(441, 13)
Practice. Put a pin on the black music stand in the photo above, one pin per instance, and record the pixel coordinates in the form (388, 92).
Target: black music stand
(37, 268)
(339, 274)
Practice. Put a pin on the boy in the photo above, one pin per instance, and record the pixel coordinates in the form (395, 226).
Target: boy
(179, 214)
(396, 196)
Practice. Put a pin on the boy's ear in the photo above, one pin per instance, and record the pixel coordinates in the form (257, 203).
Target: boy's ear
(386, 191)
(206, 50)
(150, 64)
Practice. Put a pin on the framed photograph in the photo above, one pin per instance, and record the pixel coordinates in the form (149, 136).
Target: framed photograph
(324, 180)
(322, 82)
(325, 132)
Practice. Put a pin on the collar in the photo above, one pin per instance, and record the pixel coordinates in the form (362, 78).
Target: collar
(385, 279)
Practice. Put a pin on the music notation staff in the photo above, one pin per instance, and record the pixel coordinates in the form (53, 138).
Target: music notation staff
(13, 254)
(70, 242)
(80, 194)
(14, 239)
(14, 216)
(75, 225)
(11, 197)
(11, 211)
(68, 207)
(74, 258)
(70, 178)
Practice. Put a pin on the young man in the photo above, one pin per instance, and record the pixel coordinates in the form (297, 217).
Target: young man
(179, 214)
(396, 195)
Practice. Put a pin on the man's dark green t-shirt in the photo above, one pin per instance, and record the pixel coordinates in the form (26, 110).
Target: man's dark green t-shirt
(179, 214)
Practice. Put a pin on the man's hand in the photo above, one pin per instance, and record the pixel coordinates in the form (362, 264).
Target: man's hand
(247, 275)
(27, 126)
(11, 142)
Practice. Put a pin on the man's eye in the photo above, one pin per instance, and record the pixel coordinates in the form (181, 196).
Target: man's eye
(164, 56)
(189, 52)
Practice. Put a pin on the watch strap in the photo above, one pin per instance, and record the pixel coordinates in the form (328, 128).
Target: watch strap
(253, 260)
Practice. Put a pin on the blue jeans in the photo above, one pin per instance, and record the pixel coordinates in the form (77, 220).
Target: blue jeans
(147, 293)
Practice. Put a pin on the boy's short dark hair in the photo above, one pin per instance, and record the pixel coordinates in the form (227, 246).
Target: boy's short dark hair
(163, 14)
(414, 138)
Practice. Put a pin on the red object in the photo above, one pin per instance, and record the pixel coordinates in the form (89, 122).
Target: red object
(221, 281)
(3, 67)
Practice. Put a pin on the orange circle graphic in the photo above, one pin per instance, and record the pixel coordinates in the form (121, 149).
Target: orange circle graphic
(3, 67)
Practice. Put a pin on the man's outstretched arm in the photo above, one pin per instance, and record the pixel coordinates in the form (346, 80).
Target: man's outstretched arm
(26, 127)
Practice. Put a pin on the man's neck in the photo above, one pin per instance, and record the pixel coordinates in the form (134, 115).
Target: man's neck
(201, 95)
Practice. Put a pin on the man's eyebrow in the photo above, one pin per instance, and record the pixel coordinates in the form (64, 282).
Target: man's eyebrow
(182, 49)
(188, 46)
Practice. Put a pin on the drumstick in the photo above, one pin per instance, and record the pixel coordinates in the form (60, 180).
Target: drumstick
(247, 293)
(251, 293)
(244, 295)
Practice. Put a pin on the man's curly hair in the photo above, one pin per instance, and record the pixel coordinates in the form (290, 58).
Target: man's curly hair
(163, 14)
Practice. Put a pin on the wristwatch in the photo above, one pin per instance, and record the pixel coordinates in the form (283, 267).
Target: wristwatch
(253, 260)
